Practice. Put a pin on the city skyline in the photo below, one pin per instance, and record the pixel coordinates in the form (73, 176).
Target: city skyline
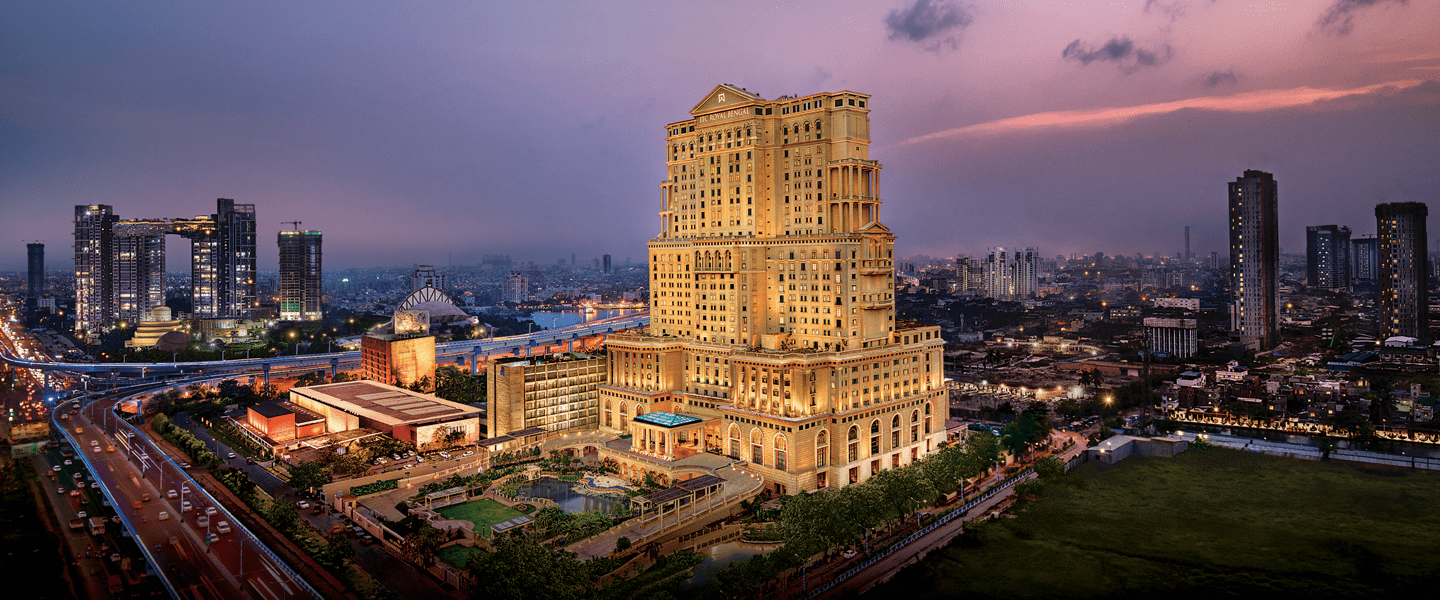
(1003, 124)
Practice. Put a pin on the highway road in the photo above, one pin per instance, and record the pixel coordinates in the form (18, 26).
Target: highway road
(194, 565)
(446, 352)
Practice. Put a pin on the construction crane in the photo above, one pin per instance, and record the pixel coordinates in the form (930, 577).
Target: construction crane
(295, 223)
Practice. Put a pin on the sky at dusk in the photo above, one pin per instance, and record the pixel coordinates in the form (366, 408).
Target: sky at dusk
(435, 132)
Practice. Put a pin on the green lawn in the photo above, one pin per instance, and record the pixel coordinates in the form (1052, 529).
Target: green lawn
(483, 513)
(456, 555)
(1213, 522)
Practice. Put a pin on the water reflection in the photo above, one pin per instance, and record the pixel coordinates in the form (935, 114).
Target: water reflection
(565, 495)
(719, 556)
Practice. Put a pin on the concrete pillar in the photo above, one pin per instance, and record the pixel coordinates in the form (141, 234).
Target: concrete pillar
(334, 368)
(475, 362)
(266, 367)
(570, 345)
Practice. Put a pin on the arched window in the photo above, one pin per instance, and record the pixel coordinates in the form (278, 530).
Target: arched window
(854, 443)
(874, 437)
(914, 426)
(895, 432)
(734, 441)
(927, 418)
(780, 448)
(757, 447)
(623, 414)
(607, 413)
(822, 449)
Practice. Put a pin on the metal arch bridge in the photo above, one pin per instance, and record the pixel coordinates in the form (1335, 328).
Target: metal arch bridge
(448, 352)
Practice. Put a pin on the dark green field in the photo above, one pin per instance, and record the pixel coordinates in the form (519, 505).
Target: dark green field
(1208, 523)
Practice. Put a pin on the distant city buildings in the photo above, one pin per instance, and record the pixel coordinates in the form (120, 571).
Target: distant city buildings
(1327, 256)
(1403, 282)
(300, 271)
(425, 275)
(1254, 260)
(1012, 274)
(120, 264)
(35, 255)
(605, 260)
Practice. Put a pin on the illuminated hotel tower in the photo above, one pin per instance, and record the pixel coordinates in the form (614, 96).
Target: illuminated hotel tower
(772, 299)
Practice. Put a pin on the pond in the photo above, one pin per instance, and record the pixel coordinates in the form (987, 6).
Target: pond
(719, 556)
(568, 497)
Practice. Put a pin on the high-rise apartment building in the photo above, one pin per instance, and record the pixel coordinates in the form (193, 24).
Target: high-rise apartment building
(1403, 282)
(35, 261)
(969, 274)
(1012, 274)
(516, 287)
(1365, 259)
(1187, 255)
(1327, 256)
(1254, 260)
(773, 337)
(94, 265)
(300, 268)
(605, 261)
(120, 264)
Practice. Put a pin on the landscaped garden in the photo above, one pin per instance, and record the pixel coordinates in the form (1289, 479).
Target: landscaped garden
(1211, 521)
(483, 513)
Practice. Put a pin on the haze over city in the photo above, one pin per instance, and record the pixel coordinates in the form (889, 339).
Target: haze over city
(443, 128)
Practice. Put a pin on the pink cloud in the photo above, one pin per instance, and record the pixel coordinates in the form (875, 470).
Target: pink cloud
(1246, 102)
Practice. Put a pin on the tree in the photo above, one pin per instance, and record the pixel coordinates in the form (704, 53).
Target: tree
(309, 474)
(282, 515)
(981, 451)
(422, 544)
(336, 551)
(521, 568)
(622, 544)
(1017, 435)
(1049, 467)
(904, 490)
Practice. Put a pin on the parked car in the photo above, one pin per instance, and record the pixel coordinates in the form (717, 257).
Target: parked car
(302, 504)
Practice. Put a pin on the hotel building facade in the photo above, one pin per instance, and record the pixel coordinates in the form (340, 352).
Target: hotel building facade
(772, 300)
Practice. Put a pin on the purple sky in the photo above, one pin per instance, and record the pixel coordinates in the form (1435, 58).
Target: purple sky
(418, 132)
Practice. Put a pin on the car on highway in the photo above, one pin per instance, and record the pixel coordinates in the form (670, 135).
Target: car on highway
(60, 490)
(78, 476)
(164, 515)
(185, 506)
(212, 538)
(98, 450)
(171, 494)
(202, 521)
(55, 468)
(230, 455)
(210, 511)
(68, 462)
(82, 514)
(94, 485)
(223, 527)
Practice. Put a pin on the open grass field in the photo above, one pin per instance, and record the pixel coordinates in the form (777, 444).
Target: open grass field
(456, 555)
(1209, 522)
(483, 513)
